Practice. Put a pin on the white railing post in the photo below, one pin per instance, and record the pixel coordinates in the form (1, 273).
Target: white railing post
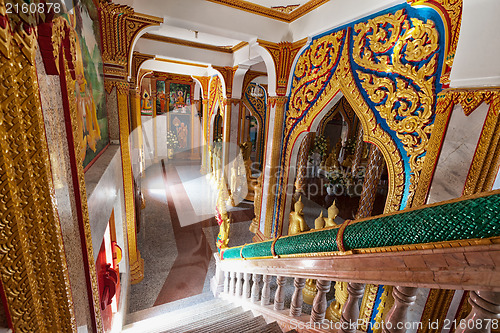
(320, 303)
(297, 300)
(485, 313)
(239, 277)
(266, 290)
(404, 297)
(256, 287)
(232, 284)
(246, 286)
(279, 297)
(350, 314)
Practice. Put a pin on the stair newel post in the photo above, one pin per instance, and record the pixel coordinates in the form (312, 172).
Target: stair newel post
(239, 278)
(404, 297)
(484, 314)
(266, 290)
(297, 300)
(232, 284)
(279, 297)
(255, 288)
(350, 313)
(246, 286)
(226, 283)
(320, 303)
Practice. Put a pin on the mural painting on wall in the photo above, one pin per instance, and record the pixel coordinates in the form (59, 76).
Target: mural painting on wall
(160, 97)
(146, 103)
(180, 124)
(89, 86)
(180, 98)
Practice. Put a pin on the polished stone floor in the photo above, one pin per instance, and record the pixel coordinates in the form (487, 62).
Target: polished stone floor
(178, 231)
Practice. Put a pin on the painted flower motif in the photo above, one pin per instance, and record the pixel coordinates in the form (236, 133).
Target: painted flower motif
(172, 141)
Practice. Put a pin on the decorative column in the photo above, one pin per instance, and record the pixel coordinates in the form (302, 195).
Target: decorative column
(34, 275)
(155, 128)
(205, 158)
(136, 262)
(276, 107)
(358, 152)
(121, 25)
(372, 178)
(283, 55)
(301, 175)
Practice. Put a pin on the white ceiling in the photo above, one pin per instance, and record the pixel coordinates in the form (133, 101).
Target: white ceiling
(277, 3)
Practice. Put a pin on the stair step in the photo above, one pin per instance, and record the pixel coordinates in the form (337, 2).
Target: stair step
(169, 307)
(226, 324)
(198, 320)
(245, 327)
(267, 328)
(169, 320)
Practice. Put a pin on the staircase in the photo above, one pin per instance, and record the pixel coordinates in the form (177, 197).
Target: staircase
(212, 315)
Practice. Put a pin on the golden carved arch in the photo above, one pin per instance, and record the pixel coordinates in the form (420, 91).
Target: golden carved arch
(388, 69)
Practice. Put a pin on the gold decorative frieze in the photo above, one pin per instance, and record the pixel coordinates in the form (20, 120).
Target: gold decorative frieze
(183, 42)
(120, 25)
(274, 13)
(137, 60)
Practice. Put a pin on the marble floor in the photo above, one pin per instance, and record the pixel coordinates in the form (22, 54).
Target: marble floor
(177, 233)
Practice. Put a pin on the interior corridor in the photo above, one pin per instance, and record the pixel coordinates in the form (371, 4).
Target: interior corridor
(177, 233)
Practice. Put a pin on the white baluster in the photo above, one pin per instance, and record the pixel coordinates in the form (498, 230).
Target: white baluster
(320, 303)
(239, 278)
(226, 283)
(232, 284)
(246, 286)
(297, 301)
(404, 297)
(266, 290)
(350, 313)
(256, 288)
(279, 296)
(485, 313)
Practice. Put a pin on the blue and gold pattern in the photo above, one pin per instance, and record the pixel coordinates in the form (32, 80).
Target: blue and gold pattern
(388, 67)
(257, 106)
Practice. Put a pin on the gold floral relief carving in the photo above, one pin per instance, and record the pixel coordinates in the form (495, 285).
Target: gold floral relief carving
(408, 100)
(33, 270)
(314, 68)
(451, 14)
(373, 133)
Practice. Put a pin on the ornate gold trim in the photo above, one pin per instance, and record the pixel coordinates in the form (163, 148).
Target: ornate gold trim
(270, 12)
(34, 273)
(183, 42)
(137, 60)
(119, 26)
(181, 62)
(436, 309)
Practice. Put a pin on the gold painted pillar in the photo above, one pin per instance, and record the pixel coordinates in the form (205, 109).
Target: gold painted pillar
(273, 146)
(205, 158)
(300, 178)
(226, 135)
(155, 128)
(34, 272)
(135, 260)
(358, 152)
